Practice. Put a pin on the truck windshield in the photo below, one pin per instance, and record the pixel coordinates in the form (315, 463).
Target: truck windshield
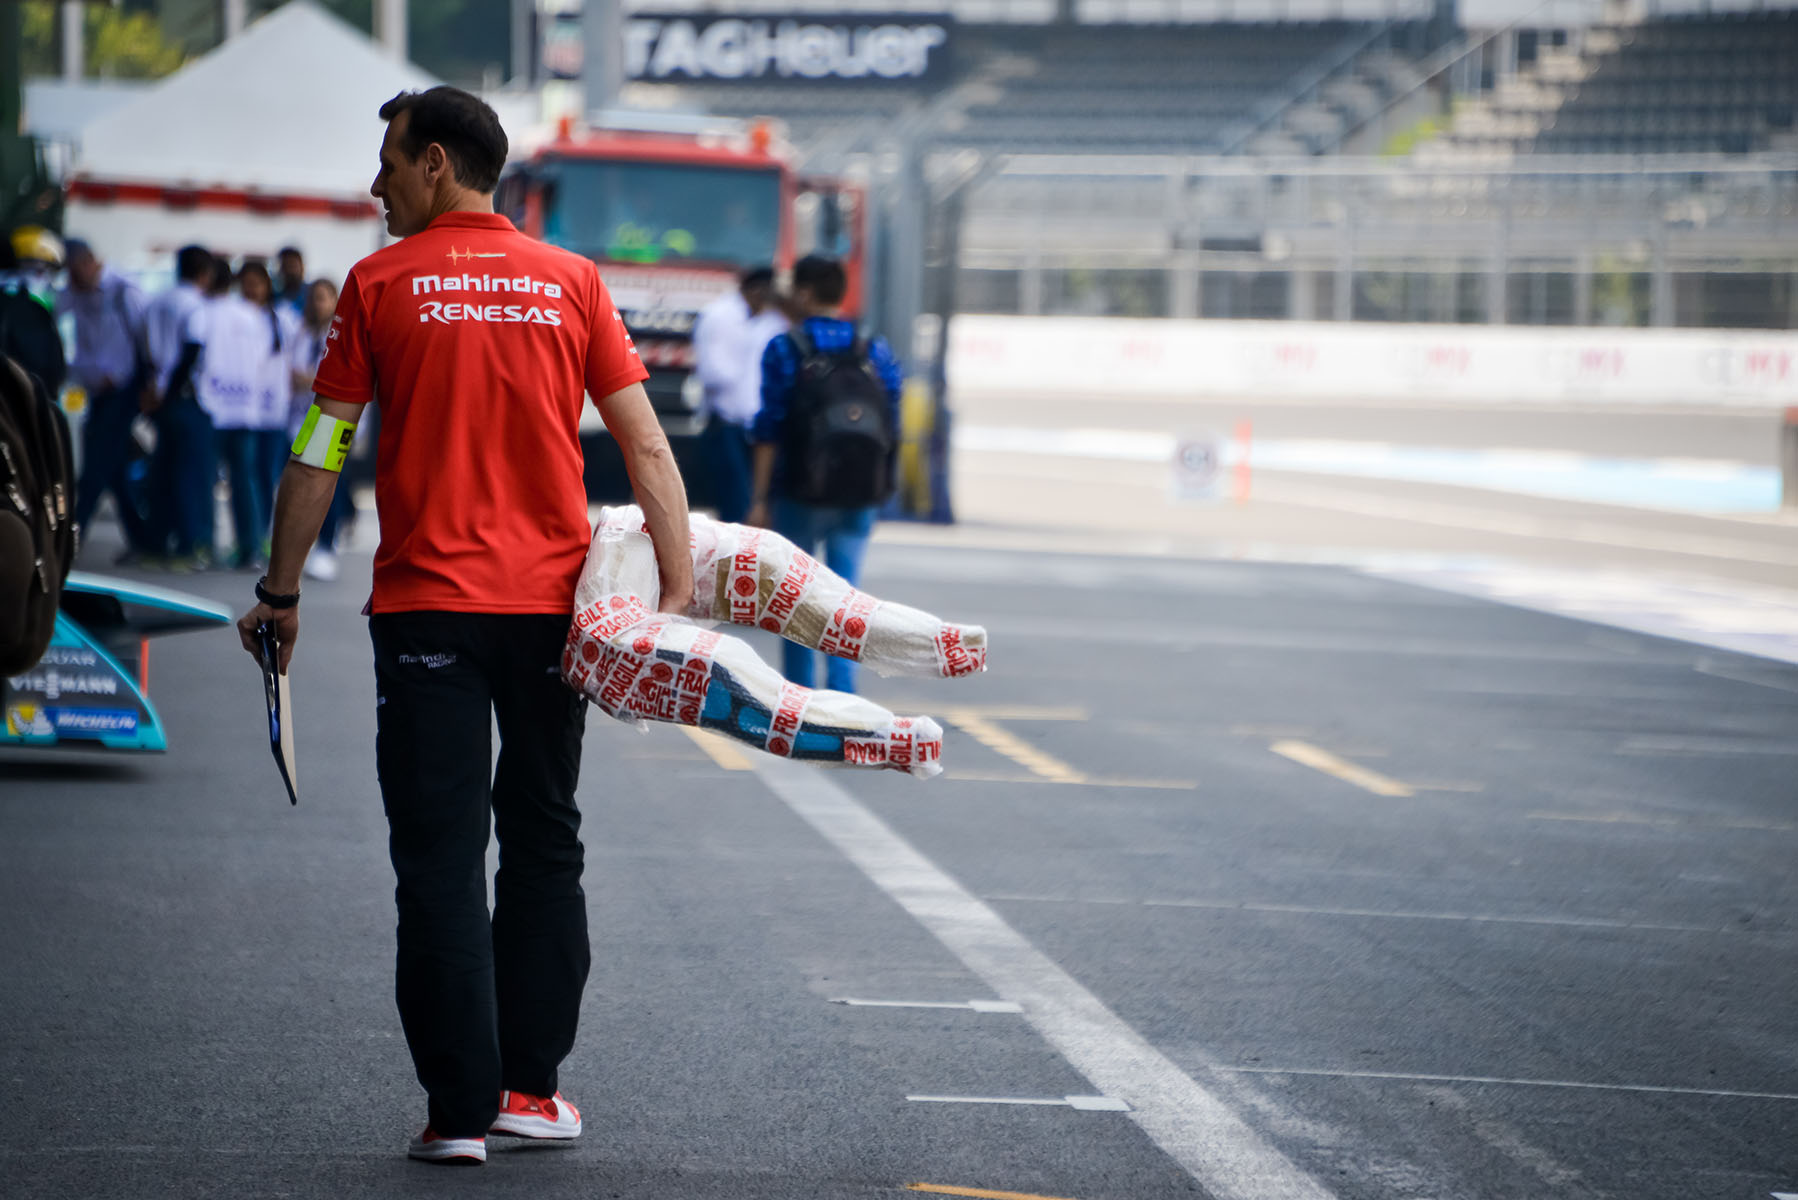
(657, 212)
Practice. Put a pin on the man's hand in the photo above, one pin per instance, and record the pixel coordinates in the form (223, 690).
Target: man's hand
(286, 622)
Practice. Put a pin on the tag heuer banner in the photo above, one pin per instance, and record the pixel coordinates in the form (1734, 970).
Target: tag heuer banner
(673, 48)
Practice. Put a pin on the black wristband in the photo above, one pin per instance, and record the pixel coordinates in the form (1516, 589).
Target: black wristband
(275, 599)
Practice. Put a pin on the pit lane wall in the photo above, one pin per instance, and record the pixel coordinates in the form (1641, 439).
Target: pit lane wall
(1315, 360)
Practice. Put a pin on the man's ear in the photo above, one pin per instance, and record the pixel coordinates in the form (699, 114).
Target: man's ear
(437, 163)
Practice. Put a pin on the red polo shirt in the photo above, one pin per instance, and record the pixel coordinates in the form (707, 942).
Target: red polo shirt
(479, 344)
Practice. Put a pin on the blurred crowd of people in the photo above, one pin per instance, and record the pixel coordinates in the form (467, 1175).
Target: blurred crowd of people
(204, 381)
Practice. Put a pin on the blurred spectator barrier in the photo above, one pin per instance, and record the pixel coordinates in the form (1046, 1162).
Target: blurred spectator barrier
(1101, 357)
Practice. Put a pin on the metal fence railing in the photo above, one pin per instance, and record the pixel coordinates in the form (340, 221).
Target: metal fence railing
(1697, 240)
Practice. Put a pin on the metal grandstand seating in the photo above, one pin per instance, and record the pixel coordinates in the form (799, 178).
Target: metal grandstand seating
(1172, 89)
(1721, 84)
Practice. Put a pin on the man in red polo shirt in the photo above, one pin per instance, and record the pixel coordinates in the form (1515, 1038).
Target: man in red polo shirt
(478, 344)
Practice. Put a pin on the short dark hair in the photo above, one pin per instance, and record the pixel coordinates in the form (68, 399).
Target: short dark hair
(284, 251)
(762, 276)
(463, 124)
(823, 277)
(193, 263)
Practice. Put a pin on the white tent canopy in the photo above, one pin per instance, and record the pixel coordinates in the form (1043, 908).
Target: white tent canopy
(288, 107)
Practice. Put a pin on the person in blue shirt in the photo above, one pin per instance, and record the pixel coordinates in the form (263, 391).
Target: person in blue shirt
(291, 287)
(819, 285)
(112, 363)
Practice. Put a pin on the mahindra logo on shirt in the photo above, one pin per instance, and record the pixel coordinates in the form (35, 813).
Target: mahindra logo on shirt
(424, 285)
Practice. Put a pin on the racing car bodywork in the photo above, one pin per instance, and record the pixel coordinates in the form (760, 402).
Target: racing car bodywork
(90, 690)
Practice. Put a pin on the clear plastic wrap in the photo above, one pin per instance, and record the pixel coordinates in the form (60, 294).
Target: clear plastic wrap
(637, 664)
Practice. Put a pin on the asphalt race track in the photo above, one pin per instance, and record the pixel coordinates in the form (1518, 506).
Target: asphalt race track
(1306, 881)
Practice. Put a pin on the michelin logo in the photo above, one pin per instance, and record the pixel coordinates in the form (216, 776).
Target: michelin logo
(94, 720)
(447, 312)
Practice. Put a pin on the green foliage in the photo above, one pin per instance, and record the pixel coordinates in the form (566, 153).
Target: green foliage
(1406, 140)
(453, 39)
(118, 44)
(1620, 292)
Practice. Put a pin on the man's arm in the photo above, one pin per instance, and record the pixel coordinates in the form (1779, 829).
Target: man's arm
(300, 506)
(656, 482)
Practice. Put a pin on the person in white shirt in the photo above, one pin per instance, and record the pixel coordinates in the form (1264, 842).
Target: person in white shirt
(728, 340)
(185, 464)
(275, 395)
(245, 387)
(306, 352)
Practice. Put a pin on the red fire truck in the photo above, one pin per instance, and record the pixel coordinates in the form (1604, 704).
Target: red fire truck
(672, 215)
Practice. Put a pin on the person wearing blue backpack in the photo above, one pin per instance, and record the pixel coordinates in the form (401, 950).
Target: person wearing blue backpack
(826, 441)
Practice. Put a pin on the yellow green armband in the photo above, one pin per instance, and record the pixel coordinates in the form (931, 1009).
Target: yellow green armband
(323, 441)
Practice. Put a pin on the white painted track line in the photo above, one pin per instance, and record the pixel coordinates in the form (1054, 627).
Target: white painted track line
(1044, 1102)
(1080, 1103)
(1494, 1079)
(979, 1006)
(1189, 1123)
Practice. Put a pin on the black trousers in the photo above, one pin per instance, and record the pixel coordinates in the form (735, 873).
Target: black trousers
(487, 1002)
(106, 447)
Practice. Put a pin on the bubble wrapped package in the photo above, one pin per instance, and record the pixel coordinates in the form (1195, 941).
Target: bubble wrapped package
(638, 664)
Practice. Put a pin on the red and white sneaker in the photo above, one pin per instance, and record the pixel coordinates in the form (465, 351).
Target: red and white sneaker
(431, 1147)
(536, 1117)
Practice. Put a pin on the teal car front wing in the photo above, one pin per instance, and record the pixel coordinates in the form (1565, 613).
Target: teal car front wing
(90, 688)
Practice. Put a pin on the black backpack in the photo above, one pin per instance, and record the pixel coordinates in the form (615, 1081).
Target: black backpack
(839, 437)
(37, 537)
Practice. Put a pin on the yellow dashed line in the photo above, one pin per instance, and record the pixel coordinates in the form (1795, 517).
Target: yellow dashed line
(983, 730)
(1319, 759)
(1178, 785)
(994, 712)
(1024, 712)
(1619, 818)
(943, 1189)
(719, 749)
